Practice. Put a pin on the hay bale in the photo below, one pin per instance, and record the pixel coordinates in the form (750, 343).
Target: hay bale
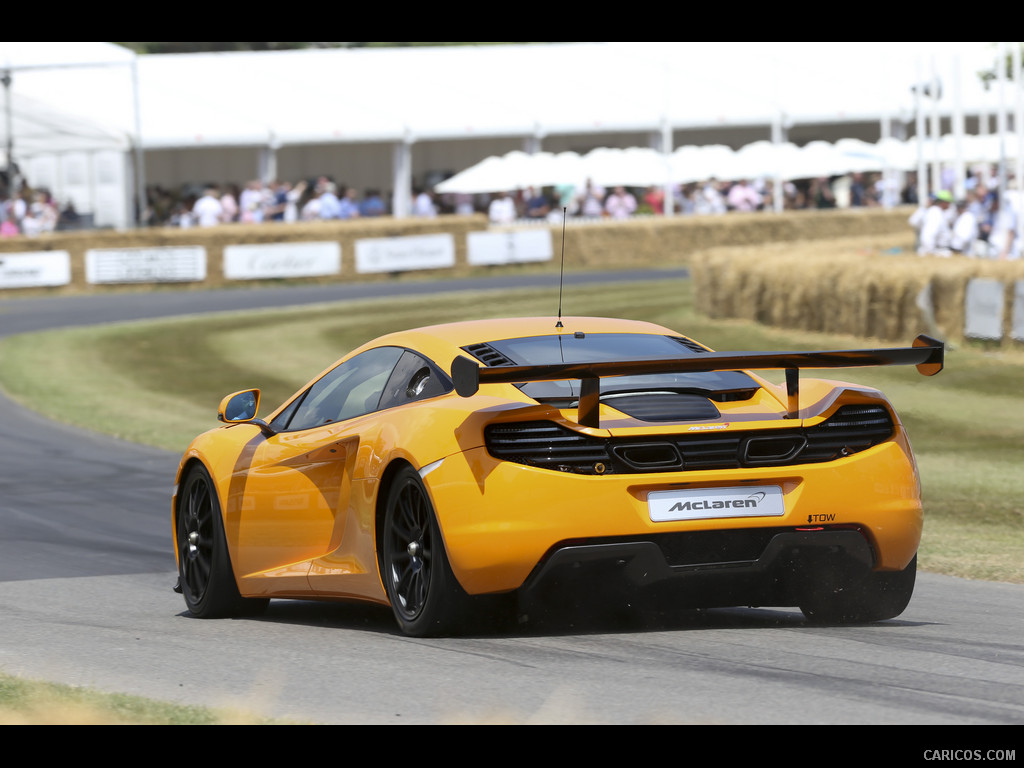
(867, 286)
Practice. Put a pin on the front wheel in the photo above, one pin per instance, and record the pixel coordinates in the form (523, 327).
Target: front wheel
(424, 594)
(205, 577)
(880, 595)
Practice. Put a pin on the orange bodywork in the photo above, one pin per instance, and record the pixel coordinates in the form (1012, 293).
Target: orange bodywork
(302, 509)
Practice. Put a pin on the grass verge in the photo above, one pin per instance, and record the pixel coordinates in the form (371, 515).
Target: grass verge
(29, 702)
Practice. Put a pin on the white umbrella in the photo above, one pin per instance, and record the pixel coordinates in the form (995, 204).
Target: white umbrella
(631, 167)
(691, 163)
(489, 175)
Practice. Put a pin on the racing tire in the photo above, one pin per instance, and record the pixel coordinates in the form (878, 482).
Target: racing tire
(879, 596)
(425, 597)
(205, 577)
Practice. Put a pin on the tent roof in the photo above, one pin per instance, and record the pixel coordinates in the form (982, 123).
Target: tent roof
(41, 121)
(413, 94)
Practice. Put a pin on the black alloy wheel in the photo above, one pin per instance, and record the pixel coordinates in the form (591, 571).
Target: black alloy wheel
(425, 597)
(204, 567)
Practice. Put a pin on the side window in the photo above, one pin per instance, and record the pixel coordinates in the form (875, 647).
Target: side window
(414, 378)
(351, 389)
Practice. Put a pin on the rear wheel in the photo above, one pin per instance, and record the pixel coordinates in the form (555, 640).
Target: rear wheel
(424, 594)
(880, 595)
(205, 577)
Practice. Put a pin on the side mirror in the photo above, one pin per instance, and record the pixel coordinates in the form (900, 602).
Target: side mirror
(241, 408)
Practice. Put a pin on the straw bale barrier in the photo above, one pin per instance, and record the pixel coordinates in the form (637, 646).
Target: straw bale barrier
(843, 271)
(867, 287)
(641, 242)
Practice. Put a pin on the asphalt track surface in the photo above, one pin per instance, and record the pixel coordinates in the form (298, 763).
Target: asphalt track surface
(85, 598)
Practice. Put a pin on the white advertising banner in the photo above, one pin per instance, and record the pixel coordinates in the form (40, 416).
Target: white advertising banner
(984, 309)
(402, 254)
(35, 269)
(1017, 321)
(269, 260)
(146, 265)
(527, 245)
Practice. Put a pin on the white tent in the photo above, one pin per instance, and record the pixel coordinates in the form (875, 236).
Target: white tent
(79, 153)
(401, 112)
(40, 124)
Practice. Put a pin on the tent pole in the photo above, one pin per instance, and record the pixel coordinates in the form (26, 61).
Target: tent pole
(401, 168)
(12, 187)
(140, 163)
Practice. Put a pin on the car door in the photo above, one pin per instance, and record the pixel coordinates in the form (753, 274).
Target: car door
(297, 483)
(350, 569)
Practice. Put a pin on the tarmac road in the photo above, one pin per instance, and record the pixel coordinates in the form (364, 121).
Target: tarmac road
(85, 597)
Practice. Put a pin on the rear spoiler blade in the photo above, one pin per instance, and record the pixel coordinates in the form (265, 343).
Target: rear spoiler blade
(926, 353)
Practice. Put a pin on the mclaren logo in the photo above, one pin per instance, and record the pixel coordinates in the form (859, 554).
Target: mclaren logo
(707, 427)
(750, 502)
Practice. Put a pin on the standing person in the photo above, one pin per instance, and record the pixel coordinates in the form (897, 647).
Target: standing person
(372, 204)
(423, 204)
(936, 233)
(620, 204)
(250, 202)
(655, 198)
(46, 211)
(329, 204)
(743, 197)
(348, 204)
(591, 202)
(502, 209)
(537, 204)
(208, 209)
(824, 197)
(229, 204)
(311, 208)
(1004, 242)
(9, 226)
(278, 204)
(709, 199)
(291, 203)
(964, 236)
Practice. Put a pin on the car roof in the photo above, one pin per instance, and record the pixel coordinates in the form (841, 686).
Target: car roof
(443, 342)
(456, 335)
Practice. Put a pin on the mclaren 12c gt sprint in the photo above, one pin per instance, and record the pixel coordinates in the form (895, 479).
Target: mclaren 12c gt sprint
(441, 468)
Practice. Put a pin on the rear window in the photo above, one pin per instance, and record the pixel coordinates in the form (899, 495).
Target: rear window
(603, 347)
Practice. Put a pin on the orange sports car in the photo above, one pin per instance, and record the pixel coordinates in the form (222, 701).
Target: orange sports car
(441, 468)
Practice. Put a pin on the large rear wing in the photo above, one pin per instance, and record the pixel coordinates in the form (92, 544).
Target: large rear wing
(926, 353)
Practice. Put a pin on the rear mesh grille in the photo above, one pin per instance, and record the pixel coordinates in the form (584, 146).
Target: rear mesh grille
(851, 429)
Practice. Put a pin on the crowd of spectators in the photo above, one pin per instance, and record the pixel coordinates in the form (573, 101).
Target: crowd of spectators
(34, 211)
(983, 224)
(258, 202)
(323, 198)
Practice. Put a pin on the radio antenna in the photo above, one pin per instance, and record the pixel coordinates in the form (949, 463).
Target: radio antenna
(561, 273)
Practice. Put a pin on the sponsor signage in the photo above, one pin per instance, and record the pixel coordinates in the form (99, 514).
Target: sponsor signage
(35, 269)
(1017, 322)
(146, 265)
(401, 254)
(269, 260)
(520, 246)
(984, 309)
(705, 503)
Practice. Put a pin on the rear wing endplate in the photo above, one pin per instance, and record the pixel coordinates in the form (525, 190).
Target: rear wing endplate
(926, 353)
